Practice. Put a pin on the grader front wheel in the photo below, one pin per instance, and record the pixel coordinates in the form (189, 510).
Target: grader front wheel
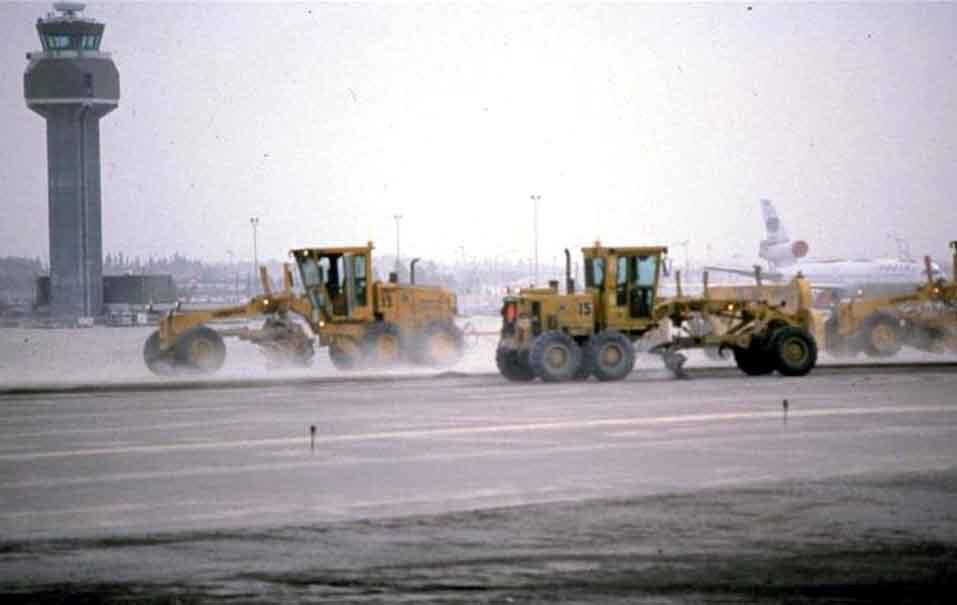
(883, 337)
(157, 361)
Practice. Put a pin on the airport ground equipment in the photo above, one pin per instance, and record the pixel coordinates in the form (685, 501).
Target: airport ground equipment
(361, 321)
(925, 319)
(571, 336)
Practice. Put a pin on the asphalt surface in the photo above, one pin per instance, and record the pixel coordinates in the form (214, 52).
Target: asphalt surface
(472, 489)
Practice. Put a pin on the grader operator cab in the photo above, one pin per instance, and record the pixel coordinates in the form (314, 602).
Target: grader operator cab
(362, 321)
(575, 335)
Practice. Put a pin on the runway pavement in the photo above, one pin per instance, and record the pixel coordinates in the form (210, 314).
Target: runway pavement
(121, 463)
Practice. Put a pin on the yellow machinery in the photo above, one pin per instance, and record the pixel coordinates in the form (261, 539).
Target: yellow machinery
(362, 321)
(572, 336)
(925, 319)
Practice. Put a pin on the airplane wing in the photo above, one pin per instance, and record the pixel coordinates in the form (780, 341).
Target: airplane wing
(769, 275)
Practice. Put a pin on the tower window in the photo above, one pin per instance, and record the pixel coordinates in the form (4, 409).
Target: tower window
(59, 41)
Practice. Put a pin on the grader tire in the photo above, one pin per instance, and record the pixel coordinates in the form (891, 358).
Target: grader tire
(157, 361)
(835, 344)
(755, 360)
(382, 344)
(441, 343)
(345, 357)
(555, 356)
(511, 366)
(794, 351)
(584, 368)
(200, 349)
(610, 355)
(882, 337)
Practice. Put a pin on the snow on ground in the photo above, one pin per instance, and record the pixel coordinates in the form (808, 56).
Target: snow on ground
(115, 354)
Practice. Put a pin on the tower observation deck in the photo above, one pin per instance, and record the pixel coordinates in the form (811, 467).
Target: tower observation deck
(72, 84)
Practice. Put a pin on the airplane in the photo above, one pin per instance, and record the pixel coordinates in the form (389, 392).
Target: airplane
(842, 277)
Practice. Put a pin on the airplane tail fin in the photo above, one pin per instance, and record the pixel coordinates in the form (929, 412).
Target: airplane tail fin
(777, 248)
(775, 232)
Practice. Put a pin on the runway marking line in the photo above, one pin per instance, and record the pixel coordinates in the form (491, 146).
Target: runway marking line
(713, 443)
(480, 430)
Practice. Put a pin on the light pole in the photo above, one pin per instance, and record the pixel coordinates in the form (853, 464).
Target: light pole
(254, 221)
(535, 200)
(229, 253)
(397, 218)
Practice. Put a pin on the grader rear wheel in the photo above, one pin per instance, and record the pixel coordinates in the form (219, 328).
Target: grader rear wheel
(610, 355)
(200, 349)
(382, 344)
(346, 354)
(440, 344)
(555, 356)
(512, 366)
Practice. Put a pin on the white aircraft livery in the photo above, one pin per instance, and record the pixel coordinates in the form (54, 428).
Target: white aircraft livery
(786, 259)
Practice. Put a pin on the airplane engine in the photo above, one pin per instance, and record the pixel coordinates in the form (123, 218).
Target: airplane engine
(784, 253)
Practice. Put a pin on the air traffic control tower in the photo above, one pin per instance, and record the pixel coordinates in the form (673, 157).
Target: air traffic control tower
(72, 84)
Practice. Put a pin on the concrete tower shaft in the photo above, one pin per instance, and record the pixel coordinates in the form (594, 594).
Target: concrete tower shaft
(72, 84)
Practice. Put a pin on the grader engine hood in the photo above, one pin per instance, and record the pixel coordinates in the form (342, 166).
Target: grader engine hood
(536, 311)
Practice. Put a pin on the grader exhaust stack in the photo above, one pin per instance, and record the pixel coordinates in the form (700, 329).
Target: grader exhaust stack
(953, 247)
(569, 282)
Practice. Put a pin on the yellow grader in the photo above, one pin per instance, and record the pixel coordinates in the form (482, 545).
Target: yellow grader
(925, 319)
(362, 322)
(571, 336)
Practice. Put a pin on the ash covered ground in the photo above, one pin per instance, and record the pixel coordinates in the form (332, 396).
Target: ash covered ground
(889, 539)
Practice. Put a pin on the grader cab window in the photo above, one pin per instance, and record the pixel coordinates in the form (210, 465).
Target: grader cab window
(635, 284)
(343, 278)
(594, 272)
(643, 293)
(359, 273)
(315, 276)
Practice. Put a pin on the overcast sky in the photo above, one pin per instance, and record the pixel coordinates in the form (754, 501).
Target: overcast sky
(634, 123)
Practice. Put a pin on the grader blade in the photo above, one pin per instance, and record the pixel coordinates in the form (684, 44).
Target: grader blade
(282, 341)
(673, 360)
